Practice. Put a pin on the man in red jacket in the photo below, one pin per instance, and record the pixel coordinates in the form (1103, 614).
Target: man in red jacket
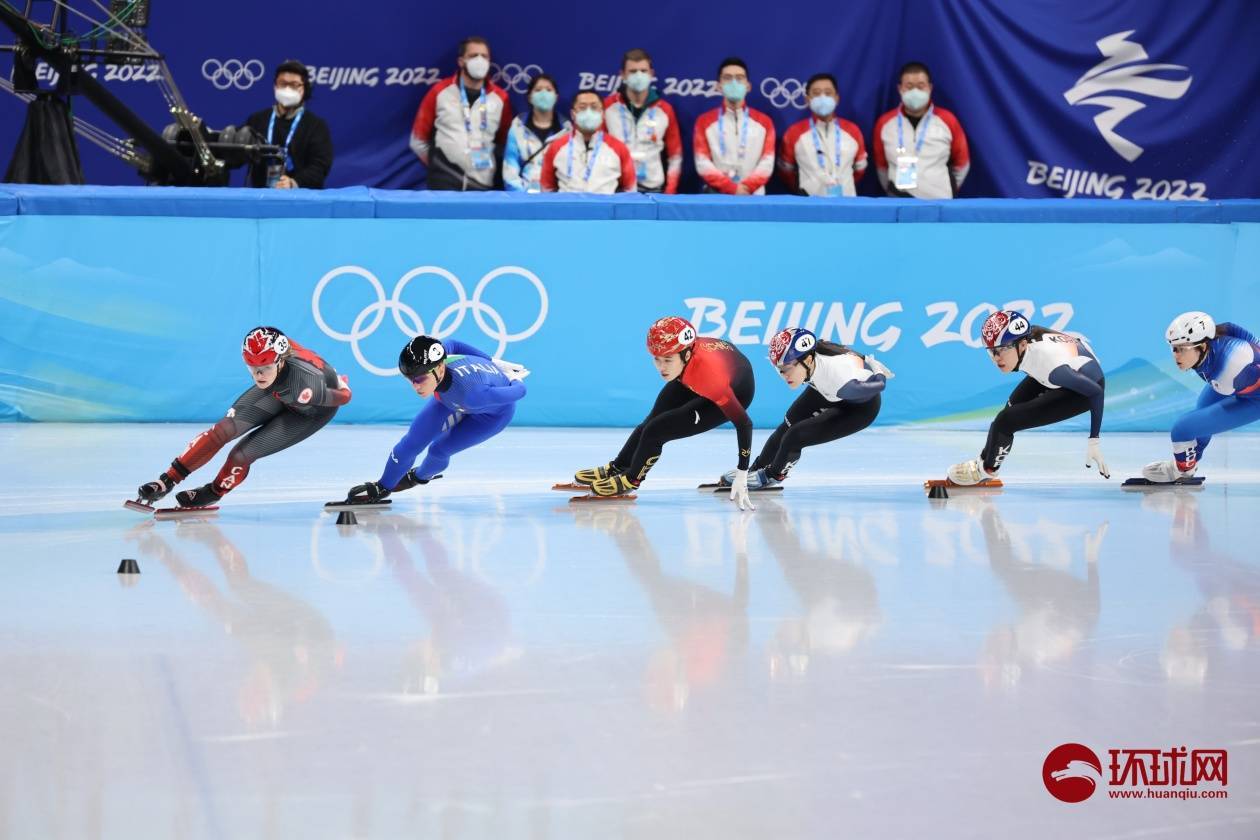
(920, 149)
(734, 144)
(461, 127)
(637, 116)
(823, 154)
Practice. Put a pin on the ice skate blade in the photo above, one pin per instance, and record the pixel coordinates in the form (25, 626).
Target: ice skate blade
(346, 504)
(591, 497)
(570, 486)
(184, 512)
(714, 487)
(986, 484)
(138, 507)
(1145, 485)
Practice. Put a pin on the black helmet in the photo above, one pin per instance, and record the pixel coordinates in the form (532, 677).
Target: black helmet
(421, 355)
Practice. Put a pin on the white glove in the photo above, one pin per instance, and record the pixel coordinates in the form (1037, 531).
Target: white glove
(879, 367)
(1094, 456)
(739, 490)
(511, 370)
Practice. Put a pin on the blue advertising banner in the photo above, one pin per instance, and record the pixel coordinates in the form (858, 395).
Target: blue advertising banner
(1130, 99)
(140, 317)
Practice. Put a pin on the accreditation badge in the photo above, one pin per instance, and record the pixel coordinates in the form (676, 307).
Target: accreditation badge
(907, 173)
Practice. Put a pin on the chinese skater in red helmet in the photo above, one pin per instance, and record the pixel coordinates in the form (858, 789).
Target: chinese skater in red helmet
(294, 395)
(842, 397)
(1227, 358)
(707, 382)
(1062, 379)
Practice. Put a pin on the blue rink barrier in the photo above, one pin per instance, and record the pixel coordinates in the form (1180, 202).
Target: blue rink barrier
(122, 303)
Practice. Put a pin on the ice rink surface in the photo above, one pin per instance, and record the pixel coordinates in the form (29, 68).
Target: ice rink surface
(487, 660)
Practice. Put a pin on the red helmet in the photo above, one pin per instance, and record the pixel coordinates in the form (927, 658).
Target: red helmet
(264, 346)
(670, 335)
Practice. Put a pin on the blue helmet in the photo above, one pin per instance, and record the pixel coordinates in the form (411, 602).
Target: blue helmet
(1004, 327)
(791, 345)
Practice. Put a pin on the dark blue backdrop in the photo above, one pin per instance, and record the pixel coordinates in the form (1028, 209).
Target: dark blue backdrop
(1169, 81)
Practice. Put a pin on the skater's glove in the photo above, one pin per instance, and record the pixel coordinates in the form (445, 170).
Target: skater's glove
(877, 366)
(1093, 456)
(366, 493)
(511, 370)
(739, 490)
(411, 480)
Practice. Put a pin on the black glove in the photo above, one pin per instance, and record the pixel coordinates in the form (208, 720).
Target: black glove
(155, 490)
(367, 493)
(411, 480)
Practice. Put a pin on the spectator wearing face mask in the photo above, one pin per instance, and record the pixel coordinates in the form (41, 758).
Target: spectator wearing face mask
(638, 116)
(462, 124)
(303, 136)
(920, 148)
(529, 136)
(823, 155)
(734, 144)
(588, 159)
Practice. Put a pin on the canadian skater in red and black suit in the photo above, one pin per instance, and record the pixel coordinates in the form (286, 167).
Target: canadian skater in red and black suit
(294, 395)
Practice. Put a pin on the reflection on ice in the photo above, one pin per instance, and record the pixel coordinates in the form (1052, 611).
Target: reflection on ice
(486, 660)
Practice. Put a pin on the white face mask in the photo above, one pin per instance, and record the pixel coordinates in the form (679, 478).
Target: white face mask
(914, 98)
(639, 81)
(477, 66)
(288, 97)
(589, 119)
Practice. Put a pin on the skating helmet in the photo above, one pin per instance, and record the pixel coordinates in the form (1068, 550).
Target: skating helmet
(264, 346)
(791, 345)
(670, 335)
(421, 355)
(1004, 327)
(1190, 328)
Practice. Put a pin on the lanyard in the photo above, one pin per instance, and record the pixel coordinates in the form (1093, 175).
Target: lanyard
(271, 129)
(633, 137)
(743, 134)
(481, 103)
(530, 137)
(590, 158)
(813, 125)
(918, 144)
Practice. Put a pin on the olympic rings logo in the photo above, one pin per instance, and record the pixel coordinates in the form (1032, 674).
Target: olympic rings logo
(409, 322)
(514, 77)
(232, 73)
(784, 93)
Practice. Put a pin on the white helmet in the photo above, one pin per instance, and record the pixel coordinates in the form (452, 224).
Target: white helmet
(1190, 328)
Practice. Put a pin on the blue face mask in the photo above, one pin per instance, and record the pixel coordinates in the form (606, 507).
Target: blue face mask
(734, 91)
(639, 81)
(823, 106)
(543, 100)
(914, 99)
(589, 119)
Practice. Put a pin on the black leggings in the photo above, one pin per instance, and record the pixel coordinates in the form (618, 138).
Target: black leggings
(1030, 405)
(809, 421)
(678, 413)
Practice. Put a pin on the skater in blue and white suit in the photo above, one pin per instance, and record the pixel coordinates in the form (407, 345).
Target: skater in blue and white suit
(1227, 358)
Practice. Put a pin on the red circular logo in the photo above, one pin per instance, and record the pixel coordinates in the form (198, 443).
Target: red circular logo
(1072, 772)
